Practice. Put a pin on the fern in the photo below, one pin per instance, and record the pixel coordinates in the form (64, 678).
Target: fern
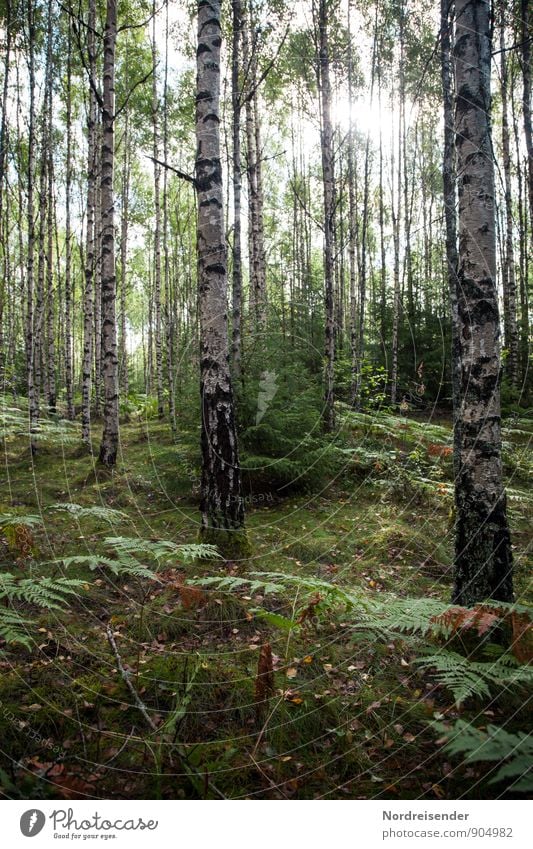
(11, 520)
(494, 745)
(106, 514)
(128, 552)
(122, 566)
(465, 678)
(160, 550)
(13, 627)
(49, 593)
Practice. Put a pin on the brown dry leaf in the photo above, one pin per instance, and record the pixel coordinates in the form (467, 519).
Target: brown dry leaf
(191, 597)
(461, 619)
(310, 610)
(291, 672)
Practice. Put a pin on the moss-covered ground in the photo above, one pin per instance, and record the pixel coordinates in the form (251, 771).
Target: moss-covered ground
(346, 715)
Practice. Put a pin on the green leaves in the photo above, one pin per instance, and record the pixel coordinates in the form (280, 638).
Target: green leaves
(117, 567)
(466, 678)
(130, 552)
(514, 752)
(13, 627)
(50, 593)
(105, 514)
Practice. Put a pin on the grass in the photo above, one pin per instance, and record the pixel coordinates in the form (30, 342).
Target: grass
(347, 715)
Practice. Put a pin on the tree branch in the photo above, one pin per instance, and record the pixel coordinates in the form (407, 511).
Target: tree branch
(127, 680)
(132, 89)
(177, 171)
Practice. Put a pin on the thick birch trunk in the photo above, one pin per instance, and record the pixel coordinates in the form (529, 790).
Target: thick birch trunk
(222, 506)
(483, 560)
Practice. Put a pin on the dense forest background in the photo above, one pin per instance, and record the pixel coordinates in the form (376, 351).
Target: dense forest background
(320, 213)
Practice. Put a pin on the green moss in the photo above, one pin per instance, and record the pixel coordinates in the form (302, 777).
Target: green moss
(232, 545)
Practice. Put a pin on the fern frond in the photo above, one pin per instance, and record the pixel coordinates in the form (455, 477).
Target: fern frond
(50, 593)
(465, 678)
(106, 514)
(494, 745)
(123, 566)
(160, 550)
(13, 627)
(11, 520)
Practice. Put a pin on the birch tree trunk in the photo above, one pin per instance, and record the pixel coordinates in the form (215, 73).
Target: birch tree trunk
(396, 220)
(526, 16)
(483, 560)
(328, 179)
(88, 301)
(222, 506)
(170, 324)
(237, 185)
(110, 434)
(124, 226)
(30, 337)
(256, 247)
(3, 150)
(157, 228)
(449, 179)
(68, 353)
(508, 269)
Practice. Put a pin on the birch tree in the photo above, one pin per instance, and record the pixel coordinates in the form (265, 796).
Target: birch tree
(483, 560)
(222, 506)
(109, 443)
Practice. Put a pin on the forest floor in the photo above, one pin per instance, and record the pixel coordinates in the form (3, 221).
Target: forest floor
(337, 712)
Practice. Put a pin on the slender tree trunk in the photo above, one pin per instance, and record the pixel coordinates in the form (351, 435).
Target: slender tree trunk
(523, 242)
(255, 188)
(483, 559)
(97, 291)
(170, 324)
(90, 258)
(50, 330)
(449, 179)
(157, 228)
(383, 262)
(526, 18)
(396, 218)
(110, 434)
(124, 226)
(222, 506)
(237, 185)
(328, 179)
(3, 150)
(50, 359)
(508, 269)
(68, 352)
(40, 369)
(33, 401)
(352, 223)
